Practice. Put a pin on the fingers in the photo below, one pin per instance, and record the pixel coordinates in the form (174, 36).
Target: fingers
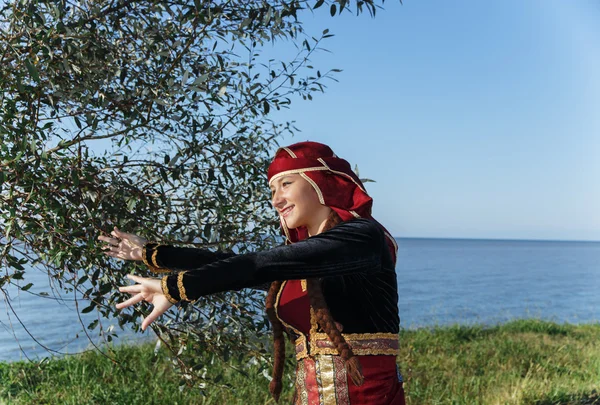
(118, 255)
(131, 289)
(131, 301)
(135, 278)
(136, 288)
(110, 241)
(161, 305)
(120, 234)
(151, 318)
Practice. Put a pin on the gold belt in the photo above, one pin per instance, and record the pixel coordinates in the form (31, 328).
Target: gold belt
(362, 344)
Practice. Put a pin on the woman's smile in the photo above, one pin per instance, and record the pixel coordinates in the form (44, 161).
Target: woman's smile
(285, 212)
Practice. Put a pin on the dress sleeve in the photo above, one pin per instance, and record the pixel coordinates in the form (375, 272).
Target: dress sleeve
(167, 258)
(351, 247)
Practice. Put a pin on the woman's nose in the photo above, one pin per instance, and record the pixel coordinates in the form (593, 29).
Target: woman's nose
(277, 200)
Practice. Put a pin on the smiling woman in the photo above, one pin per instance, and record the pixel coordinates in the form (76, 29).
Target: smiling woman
(333, 283)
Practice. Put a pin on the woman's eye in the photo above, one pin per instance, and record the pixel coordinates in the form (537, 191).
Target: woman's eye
(286, 183)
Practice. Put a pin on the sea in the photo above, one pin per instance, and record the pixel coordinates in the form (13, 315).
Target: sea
(440, 282)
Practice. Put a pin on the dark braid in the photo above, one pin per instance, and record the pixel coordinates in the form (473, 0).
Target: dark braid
(327, 323)
(324, 320)
(278, 341)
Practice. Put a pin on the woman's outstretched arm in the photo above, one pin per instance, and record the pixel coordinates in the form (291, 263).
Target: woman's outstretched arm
(158, 257)
(165, 258)
(355, 246)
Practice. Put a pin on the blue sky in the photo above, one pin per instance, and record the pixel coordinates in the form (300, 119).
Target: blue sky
(476, 119)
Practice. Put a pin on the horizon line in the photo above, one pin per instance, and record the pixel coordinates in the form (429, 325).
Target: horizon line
(498, 239)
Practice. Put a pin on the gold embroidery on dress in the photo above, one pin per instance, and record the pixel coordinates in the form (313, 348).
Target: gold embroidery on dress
(301, 347)
(381, 343)
(318, 380)
(153, 268)
(144, 258)
(327, 387)
(154, 254)
(180, 286)
(301, 394)
(165, 290)
(341, 381)
(360, 336)
(361, 344)
(303, 284)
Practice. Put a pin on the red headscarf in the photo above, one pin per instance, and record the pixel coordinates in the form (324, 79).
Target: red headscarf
(337, 186)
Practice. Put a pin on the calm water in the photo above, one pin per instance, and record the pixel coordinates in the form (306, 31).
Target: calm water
(443, 281)
(440, 281)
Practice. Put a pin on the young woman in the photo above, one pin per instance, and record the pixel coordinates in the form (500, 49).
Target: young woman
(333, 284)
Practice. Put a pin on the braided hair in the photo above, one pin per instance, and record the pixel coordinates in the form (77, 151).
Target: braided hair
(324, 320)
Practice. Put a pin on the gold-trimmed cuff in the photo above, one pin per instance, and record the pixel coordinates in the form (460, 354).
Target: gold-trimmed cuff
(180, 286)
(151, 262)
(154, 253)
(165, 290)
(144, 249)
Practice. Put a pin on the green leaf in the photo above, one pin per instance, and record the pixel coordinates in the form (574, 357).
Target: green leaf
(18, 274)
(131, 203)
(200, 79)
(82, 280)
(75, 178)
(332, 10)
(27, 287)
(32, 70)
(88, 309)
(318, 4)
(16, 265)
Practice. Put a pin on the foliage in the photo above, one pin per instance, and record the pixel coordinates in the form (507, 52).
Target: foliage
(176, 96)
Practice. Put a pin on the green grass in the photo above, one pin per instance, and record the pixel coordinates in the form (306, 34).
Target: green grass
(522, 362)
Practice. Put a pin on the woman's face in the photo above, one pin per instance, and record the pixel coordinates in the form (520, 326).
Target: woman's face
(297, 203)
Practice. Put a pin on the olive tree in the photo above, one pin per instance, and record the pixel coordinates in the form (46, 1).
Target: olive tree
(153, 116)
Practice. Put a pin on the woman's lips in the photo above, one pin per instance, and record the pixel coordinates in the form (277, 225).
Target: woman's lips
(286, 211)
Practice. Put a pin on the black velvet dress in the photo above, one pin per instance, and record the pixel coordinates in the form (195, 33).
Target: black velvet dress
(352, 260)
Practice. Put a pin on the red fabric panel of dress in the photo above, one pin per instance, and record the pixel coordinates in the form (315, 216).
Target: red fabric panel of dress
(381, 385)
(294, 306)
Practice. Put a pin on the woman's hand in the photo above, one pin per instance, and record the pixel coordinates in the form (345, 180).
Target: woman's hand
(125, 246)
(147, 289)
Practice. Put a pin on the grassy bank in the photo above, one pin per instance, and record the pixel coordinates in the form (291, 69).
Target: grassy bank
(521, 362)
